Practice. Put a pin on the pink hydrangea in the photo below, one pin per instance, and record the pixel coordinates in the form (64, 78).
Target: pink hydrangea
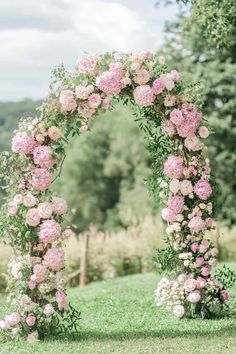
(158, 86)
(190, 122)
(67, 101)
(59, 206)
(203, 189)
(41, 179)
(50, 231)
(43, 156)
(88, 65)
(13, 319)
(23, 143)
(168, 215)
(30, 320)
(110, 82)
(174, 167)
(54, 133)
(94, 100)
(196, 224)
(61, 300)
(54, 259)
(194, 297)
(143, 95)
(176, 204)
(32, 217)
(40, 273)
(168, 127)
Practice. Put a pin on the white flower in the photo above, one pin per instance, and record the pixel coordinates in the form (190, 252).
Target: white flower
(178, 311)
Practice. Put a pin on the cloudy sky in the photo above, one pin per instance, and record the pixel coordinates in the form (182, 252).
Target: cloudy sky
(36, 35)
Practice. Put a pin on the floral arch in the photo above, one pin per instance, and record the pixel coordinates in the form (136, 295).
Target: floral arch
(167, 110)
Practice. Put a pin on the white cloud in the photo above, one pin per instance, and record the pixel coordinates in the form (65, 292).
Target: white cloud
(47, 32)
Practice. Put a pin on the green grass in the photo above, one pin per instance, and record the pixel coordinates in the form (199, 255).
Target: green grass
(119, 316)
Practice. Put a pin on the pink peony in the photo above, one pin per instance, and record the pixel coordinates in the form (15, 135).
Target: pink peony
(168, 215)
(45, 210)
(41, 179)
(54, 133)
(29, 200)
(194, 297)
(54, 259)
(158, 86)
(88, 65)
(174, 167)
(196, 224)
(32, 217)
(59, 206)
(30, 320)
(186, 187)
(143, 95)
(67, 101)
(199, 261)
(61, 300)
(176, 204)
(176, 116)
(40, 273)
(203, 189)
(94, 100)
(192, 143)
(50, 231)
(205, 271)
(43, 156)
(13, 319)
(203, 132)
(23, 143)
(168, 127)
(190, 285)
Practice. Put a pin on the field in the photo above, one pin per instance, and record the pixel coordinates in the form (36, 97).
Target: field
(119, 316)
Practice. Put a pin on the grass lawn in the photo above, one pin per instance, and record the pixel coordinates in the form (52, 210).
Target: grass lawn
(119, 316)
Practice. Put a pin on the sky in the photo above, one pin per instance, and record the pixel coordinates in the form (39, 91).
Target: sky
(36, 36)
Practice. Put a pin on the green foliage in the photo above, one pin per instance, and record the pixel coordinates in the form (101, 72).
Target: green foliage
(167, 259)
(226, 276)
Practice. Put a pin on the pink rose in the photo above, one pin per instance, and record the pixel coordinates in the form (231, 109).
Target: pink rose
(176, 116)
(190, 285)
(12, 209)
(174, 185)
(224, 295)
(158, 86)
(201, 282)
(94, 100)
(30, 200)
(13, 319)
(194, 297)
(169, 100)
(45, 210)
(194, 247)
(203, 189)
(143, 95)
(22, 143)
(168, 215)
(205, 271)
(142, 76)
(54, 133)
(196, 224)
(32, 284)
(59, 206)
(192, 143)
(83, 128)
(199, 261)
(32, 217)
(30, 320)
(203, 132)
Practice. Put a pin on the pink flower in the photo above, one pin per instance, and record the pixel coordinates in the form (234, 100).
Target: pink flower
(203, 132)
(205, 271)
(199, 261)
(178, 311)
(30, 320)
(13, 319)
(169, 100)
(186, 187)
(54, 259)
(190, 122)
(209, 222)
(194, 247)
(18, 199)
(203, 189)
(143, 95)
(59, 206)
(190, 284)
(88, 65)
(105, 103)
(168, 81)
(50, 231)
(142, 76)
(176, 204)
(174, 185)
(45, 210)
(85, 111)
(168, 127)
(176, 75)
(67, 101)
(176, 116)
(94, 100)
(41, 179)
(23, 144)
(61, 300)
(110, 82)
(32, 337)
(201, 282)
(12, 209)
(196, 224)
(224, 295)
(40, 138)
(168, 215)
(83, 92)
(194, 297)
(40, 273)
(192, 143)
(174, 167)
(43, 156)
(29, 200)
(32, 217)
(32, 284)
(3, 325)
(83, 128)
(158, 86)
(54, 133)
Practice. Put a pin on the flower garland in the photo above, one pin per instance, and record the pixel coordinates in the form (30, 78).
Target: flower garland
(33, 216)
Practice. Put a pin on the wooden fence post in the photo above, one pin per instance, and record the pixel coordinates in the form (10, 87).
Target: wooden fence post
(84, 262)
